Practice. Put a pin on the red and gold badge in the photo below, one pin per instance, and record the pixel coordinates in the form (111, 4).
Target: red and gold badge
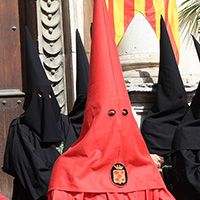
(119, 174)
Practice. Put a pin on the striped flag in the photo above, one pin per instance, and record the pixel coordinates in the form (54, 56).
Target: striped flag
(122, 12)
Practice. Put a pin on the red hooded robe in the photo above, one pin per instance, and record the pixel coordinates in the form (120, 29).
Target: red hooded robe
(110, 159)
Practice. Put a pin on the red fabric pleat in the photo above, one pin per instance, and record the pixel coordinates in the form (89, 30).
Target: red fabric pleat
(138, 195)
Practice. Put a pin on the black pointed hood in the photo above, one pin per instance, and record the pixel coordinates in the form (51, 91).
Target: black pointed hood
(187, 135)
(171, 103)
(42, 111)
(197, 46)
(36, 76)
(76, 115)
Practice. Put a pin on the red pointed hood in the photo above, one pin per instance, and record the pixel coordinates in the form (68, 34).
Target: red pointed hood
(110, 142)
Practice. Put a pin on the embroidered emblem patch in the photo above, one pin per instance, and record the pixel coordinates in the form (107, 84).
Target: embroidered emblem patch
(60, 147)
(119, 174)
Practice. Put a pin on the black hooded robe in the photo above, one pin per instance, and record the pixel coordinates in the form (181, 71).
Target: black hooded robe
(37, 137)
(161, 121)
(30, 161)
(186, 151)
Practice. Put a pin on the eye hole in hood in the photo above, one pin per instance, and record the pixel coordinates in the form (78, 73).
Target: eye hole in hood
(111, 112)
(124, 112)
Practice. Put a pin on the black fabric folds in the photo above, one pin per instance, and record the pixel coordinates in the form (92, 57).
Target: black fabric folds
(36, 137)
(186, 151)
(185, 177)
(187, 135)
(171, 105)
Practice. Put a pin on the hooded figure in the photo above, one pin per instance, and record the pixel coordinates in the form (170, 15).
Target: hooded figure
(110, 159)
(161, 121)
(186, 152)
(38, 137)
(76, 115)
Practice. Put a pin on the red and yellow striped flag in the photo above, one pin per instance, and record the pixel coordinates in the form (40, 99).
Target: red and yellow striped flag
(123, 11)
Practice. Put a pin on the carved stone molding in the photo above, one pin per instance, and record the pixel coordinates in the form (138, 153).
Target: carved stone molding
(51, 46)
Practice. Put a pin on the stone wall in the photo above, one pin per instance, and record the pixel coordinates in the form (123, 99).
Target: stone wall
(138, 51)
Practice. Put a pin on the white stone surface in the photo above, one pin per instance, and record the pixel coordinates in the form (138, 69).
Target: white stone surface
(140, 41)
(76, 20)
(139, 38)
